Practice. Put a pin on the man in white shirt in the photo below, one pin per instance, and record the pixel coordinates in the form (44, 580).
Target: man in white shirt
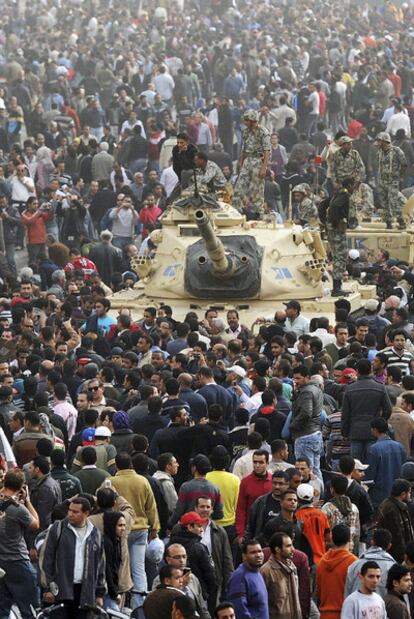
(168, 180)
(399, 120)
(164, 85)
(312, 104)
(365, 602)
(22, 186)
(294, 321)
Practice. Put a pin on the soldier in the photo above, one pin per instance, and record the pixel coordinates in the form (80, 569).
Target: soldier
(347, 163)
(362, 201)
(253, 165)
(306, 212)
(337, 218)
(391, 168)
(209, 173)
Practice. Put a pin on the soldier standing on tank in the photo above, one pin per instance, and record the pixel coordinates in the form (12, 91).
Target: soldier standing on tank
(337, 217)
(253, 165)
(347, 163)
(392, 165)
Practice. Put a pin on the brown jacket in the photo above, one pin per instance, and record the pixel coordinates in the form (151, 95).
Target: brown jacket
(403, 427)
(121, 505)
(396, 606)
(25, 446)
(283, 598)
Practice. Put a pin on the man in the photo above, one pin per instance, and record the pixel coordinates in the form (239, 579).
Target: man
(347, 163)
(281, 579)
(294, 320)
(208, 173)
(102, 163)
(106, 257)
(305, 425)
(391, 168)
(189, 535)
(215, 394)
(90, 476)
(158, 603)
(137, 491)
(378, 552)
(45, 492)
(183, 155)
(399, 584)
(69, 484)
(280, 454)
(99, 322)
(74, 562)
(385, 459)
(363, 401)
(393, 515)
(354, 471)
(303, 464)
(315, 523)
(397, 355)
(266, 506)
(167, 469)
(340, 510)
(25, 444)
(247, 589)
(17, 516)
(225, 610)
(35, 218)
(340, 346)
(199, 486)
(215, 538)
(254, 159)
(401, 421)
(337, 218)
(258, 483)
(365, 602)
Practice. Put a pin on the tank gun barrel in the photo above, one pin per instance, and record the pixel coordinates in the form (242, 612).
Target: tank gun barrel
(215, 249)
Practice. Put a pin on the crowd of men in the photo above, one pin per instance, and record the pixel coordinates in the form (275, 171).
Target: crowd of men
(198, 467)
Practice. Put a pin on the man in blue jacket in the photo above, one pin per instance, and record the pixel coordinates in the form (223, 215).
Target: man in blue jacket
(246, 589)
(385, 458)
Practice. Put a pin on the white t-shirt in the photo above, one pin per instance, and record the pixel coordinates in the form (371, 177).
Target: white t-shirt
(363, 606)
(314, 102)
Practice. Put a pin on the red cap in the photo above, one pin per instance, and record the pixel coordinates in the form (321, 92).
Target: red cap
(192, 518)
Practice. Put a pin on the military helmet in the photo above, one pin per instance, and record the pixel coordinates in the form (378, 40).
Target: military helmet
(251, 115)
(301, 188)
(384, 137)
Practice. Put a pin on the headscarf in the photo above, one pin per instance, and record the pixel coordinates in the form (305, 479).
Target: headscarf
(120, 420)
(112, 546)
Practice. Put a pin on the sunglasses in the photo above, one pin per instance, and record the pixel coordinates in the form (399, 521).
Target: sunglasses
(93, 388)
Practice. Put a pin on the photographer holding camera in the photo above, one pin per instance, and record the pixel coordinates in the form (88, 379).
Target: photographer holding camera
(17, 515)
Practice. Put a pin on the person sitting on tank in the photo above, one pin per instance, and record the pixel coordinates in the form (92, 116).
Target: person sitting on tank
(305, 211)
(208, 173)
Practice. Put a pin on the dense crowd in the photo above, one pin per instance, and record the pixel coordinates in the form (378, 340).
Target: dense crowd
(195, 466)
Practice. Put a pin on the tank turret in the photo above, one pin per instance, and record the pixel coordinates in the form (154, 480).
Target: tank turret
(219, 262)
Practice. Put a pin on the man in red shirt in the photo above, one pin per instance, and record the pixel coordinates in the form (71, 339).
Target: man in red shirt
(149, 213)
(252, 486)
(35, 218)
(78, 263)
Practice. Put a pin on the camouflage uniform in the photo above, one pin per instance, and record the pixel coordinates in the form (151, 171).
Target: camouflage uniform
(347, 165)
(306, 210)
(362, 200)
(339, 250)
(390, 168)
(212, 176)
(249, 184)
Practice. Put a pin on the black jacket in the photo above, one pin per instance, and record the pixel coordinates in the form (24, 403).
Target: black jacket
(363, 401)
(198, 559)
(338, 207)
(183, 161)
(393, 515)
(256, 521)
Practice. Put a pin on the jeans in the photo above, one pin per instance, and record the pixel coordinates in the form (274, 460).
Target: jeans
(110, 603)
(122, 241)
(359, 449)
(311, 447)
(18, 586)
(35, 250)
(10, 257)
(137, 165)
(153, 557)
(137, 544)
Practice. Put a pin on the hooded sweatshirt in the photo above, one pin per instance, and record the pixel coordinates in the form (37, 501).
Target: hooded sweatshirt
(330, 581)
(340, 510)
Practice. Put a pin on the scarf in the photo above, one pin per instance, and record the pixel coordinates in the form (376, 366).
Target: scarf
(289, 570)
(343, 503)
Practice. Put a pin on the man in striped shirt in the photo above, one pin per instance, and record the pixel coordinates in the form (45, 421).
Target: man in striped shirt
(397, 355)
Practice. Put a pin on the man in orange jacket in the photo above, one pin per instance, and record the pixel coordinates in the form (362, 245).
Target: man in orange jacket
(331, 573)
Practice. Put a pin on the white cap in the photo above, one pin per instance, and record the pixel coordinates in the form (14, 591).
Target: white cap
(103, 432)
(238, 370)
(353, 254)
(359, 466)
(305, 492)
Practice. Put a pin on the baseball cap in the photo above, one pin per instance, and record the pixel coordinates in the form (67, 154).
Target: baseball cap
(305, 492)
(361, 467)
(103, 432)
(353, 254)
(383, 136)
(117, 350)
(293, 305)
(371, 305)
(192, 518)
(345, 139)
(88, 436)
(251, 115)
(346, 375)
(238, 370)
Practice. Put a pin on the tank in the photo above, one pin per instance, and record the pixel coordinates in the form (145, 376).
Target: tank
(208, 255)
